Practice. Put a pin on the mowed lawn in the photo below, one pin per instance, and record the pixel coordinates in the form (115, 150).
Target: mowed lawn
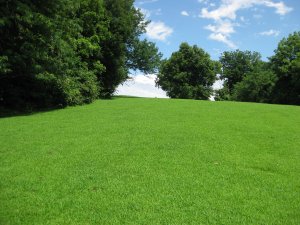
(152, 161)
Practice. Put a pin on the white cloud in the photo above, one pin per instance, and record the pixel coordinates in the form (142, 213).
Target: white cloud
(221, 32)
(227, 12)
(158, 31)
(222, 38)
(219, 84)
(145, 79)
(141, 86)
(184, 13)
(223, 27)
(270, 33)
(146, 2)
(280, 7)
(229, 8)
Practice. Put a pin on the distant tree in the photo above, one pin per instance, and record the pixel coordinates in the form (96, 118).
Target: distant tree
(256, 86)
(286, 65)
(189, 73)
(235, 66)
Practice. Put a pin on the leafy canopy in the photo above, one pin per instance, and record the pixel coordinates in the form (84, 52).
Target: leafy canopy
(189, 73)
(236, 64)
(286, 65)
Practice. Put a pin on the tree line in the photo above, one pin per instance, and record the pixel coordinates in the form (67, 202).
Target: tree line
(69, 52)
(190, 73)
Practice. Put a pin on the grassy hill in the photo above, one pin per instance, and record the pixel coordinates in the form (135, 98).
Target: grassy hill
(152, 161)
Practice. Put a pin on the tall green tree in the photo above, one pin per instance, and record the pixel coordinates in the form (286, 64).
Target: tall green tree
(124, 24)
(40, 66)
(286, 65)
(189, 73)
(94, 31)
(235, 66)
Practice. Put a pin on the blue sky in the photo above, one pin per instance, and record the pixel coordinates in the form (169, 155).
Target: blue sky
(220, 25)
(216, 26)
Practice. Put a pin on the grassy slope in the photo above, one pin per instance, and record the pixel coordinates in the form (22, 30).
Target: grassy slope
(152, 161)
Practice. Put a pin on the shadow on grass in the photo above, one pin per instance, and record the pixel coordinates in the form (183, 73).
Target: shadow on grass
(124, 96)
(7, 112)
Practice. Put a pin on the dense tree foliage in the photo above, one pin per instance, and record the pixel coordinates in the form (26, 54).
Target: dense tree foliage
(189, 73)
(40, 66)
(256, 86)
(286, 65)
(235, 66)
(124, 25)
(64, 52)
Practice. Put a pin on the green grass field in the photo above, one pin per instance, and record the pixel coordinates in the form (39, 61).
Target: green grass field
(152, 161)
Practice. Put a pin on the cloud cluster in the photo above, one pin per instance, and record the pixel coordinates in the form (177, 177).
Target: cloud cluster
(221, 31)
(229, 8)
(226, 13)
(158, 31)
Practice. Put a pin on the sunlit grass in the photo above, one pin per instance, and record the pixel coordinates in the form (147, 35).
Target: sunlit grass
(152, 161)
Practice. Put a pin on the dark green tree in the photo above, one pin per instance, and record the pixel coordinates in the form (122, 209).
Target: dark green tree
(189, 73)
(235, 66)
(286, 65)
(39, 67)
(256, 86)
(124, 25)
(94, 31)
